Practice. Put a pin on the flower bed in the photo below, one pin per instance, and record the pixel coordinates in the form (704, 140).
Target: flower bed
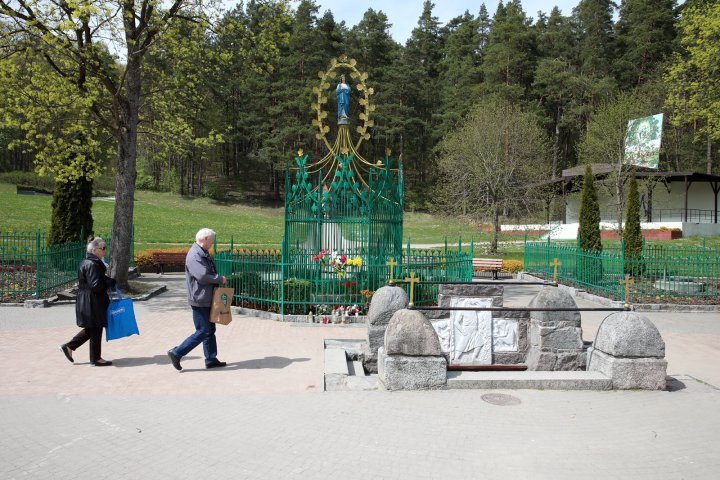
(648, 234)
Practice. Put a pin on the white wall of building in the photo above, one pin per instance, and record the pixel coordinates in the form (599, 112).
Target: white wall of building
(665, 196)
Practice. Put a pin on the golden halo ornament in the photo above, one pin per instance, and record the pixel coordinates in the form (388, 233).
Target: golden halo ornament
(321, 99)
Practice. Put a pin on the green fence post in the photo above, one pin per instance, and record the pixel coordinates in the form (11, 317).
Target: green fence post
(37, 264)
(622, 270)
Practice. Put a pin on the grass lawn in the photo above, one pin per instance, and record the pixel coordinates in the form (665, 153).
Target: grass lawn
(165, 220)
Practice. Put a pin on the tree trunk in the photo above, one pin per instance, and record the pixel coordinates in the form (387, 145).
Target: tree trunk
(496, 227)
(125, 178)
(709, 154)
(556, 145)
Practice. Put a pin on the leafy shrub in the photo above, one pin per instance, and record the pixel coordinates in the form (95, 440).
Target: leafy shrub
(145, 182)
(511, 266)
(215, 192)
(295, 290)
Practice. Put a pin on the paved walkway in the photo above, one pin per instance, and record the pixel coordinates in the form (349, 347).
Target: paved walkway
(263, 416)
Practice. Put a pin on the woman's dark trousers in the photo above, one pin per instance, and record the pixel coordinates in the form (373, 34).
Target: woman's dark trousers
(94, 334)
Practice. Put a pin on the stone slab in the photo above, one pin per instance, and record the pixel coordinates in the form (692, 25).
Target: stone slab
(403, 372)
(629, 373)
(362, 384)
(528, 380)
(555, 338)
(538, 360)
(375, 337)
(357, 368)
(471, 290)
(470, 332)
(335, 361)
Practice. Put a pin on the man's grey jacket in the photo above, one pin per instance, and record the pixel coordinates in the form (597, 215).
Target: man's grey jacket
(201, 276)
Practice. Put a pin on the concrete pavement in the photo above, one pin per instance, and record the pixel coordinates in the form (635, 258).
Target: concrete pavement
(264, 415)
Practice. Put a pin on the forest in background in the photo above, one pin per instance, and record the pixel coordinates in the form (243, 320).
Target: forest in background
(212, 121)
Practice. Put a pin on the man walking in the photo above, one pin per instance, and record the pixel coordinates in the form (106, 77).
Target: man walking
(201, 277)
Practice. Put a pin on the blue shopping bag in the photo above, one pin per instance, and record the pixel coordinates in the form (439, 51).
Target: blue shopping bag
(120, 318)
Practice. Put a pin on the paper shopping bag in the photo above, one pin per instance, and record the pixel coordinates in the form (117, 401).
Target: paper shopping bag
(220, 310)
(120, 318)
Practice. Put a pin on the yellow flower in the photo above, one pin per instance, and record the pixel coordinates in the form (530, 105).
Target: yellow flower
(358, 261)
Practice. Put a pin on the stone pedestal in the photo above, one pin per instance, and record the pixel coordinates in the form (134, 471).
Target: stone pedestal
(384, 303)
(630, 350)
(555, 336)
(411, 358)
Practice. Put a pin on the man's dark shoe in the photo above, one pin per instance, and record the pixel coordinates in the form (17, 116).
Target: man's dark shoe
(68, 353)
(216, 364)
(175, 360)
(103, 363)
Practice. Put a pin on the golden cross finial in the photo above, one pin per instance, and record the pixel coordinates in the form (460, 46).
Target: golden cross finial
(388, 152)
(412, 280)
(555, 264)
(392, 264)
(627, 282)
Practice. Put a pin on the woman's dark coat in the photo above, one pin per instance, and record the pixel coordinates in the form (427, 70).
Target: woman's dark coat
(92, 298)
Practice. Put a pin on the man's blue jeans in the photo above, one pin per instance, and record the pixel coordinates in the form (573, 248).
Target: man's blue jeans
(204, 333)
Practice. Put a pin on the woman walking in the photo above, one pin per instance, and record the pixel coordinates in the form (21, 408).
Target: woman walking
(92, 303)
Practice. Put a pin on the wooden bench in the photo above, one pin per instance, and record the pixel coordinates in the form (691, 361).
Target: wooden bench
(160, 259)
(493, 265)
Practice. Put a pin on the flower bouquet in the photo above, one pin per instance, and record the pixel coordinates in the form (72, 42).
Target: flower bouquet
(340, 263)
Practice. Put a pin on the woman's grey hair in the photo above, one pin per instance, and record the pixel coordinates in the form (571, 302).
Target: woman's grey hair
(96, 242)
(204, 233)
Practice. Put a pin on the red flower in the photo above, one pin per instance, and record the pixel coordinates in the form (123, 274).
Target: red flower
(343, 259)
(353, 283)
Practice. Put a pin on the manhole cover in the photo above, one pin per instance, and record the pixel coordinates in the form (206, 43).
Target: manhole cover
(500, 399)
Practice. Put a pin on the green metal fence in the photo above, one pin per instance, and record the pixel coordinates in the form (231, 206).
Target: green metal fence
(30, 268)
(662, 274)
(297, 282)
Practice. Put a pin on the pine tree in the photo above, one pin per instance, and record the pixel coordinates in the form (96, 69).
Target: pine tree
(645, 36)
(632, 234)
(460, 75)
(424, 51)
(595, 29)
(589, 229)
(511, 54)
(71, 211)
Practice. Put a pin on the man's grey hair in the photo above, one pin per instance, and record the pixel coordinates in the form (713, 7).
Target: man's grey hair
(96, 242)
(204, 233)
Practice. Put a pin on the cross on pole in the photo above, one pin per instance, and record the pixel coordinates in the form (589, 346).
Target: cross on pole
(392, 264)
(627, 282)
(555, 264)
(412, 280)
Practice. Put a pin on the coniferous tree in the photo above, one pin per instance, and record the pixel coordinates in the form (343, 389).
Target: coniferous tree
(589, 229)
(589, 264)
(645, 33)
(510, 56)
(423, 53)
(632, 234)
(460, 70)
(555, 86)
(71, 211)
